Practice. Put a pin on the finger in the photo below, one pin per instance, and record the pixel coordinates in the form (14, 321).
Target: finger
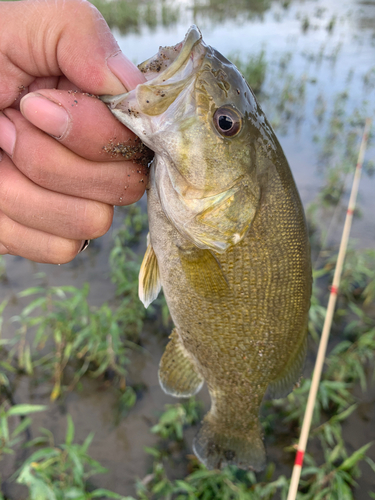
(32, 206)
(83, 124)
(67, 38)
(54, 167)
(35, 245)
(3, 249)
(52, 82)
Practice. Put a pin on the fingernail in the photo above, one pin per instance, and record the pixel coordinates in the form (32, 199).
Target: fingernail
(125, 71)
(45, 114)
(86, 243)
(7, 134)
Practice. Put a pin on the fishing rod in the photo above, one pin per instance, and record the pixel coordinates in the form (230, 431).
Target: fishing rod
(301, 448)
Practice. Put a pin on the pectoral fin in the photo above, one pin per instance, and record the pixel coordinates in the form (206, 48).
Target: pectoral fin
(203, 272)
(149, 277)
(178, 375)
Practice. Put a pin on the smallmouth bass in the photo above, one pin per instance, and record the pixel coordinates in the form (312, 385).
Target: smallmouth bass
(228, 243)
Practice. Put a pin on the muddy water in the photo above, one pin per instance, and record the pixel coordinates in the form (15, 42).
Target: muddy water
(328, 58)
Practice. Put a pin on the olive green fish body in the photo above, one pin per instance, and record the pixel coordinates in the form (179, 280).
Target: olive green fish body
(244, 328)
(228, 244)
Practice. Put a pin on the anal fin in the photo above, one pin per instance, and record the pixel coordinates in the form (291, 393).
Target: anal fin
(177, 373)
(149, 277)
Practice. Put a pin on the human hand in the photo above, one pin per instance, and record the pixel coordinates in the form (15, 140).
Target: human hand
(55, 194)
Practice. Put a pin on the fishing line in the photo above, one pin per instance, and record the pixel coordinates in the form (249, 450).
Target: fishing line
(328, 321)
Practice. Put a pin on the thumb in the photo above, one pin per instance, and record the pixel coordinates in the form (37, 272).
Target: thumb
(47, 38)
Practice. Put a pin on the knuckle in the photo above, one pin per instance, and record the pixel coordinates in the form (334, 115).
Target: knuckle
(82, 11)
(6, 183)
(61, 251)
(98, 222)
(3, 249)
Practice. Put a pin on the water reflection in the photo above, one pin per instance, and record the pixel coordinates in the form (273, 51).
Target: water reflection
(130, 15)
(219, 11)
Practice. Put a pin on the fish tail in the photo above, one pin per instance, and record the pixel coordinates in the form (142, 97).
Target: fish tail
(217, 446)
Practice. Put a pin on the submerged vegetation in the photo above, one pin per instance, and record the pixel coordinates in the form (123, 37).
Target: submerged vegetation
(58, 339)
(130, 15)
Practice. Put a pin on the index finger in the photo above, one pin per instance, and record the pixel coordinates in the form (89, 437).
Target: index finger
(83, 124)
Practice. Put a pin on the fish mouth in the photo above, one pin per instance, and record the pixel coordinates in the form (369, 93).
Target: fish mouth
(165, 64)
(167, 74)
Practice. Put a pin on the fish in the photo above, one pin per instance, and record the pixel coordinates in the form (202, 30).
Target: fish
(227, 242)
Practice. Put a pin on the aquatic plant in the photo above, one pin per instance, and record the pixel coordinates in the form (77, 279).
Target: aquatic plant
(123, 14)
(202, 484)
(177, 416)
(58, 326)
(5, 365)
(219, 11)
(59, 472)
(131, 15)
(358, 279)
(11, 435)
(125, 264)
(68, 330)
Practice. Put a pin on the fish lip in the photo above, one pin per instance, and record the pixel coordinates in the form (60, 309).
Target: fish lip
(184, 49)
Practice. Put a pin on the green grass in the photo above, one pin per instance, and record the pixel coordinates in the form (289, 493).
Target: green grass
(61, 472)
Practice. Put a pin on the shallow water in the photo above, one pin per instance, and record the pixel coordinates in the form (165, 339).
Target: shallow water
(337, 61)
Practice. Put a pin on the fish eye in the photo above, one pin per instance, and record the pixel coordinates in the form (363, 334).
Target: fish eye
(227, 121)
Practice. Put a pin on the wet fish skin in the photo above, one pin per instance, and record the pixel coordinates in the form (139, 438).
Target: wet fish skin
(228, 244)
